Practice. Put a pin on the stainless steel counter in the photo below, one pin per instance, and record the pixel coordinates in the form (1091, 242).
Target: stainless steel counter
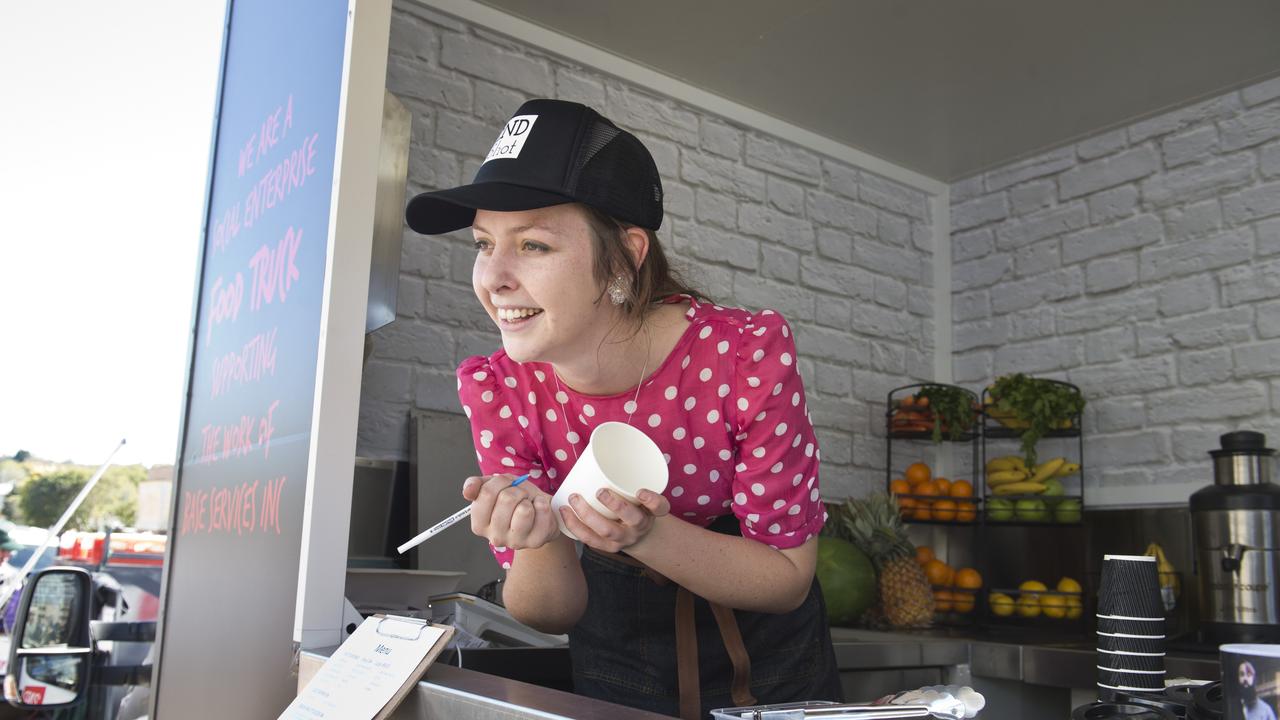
(460, 694)
(1039, 661)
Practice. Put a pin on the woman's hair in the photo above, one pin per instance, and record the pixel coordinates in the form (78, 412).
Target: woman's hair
(652, 281)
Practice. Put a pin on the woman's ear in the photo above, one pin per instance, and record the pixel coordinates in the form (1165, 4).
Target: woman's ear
(637, 243)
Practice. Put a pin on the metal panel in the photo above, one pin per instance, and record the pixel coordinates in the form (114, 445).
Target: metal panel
(442, 456)
(996, 660)
(388, 218)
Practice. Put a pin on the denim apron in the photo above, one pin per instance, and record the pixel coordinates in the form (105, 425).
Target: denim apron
(623, 649)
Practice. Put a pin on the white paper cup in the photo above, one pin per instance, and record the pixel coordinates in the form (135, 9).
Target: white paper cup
(618, 457)
(1249, 676)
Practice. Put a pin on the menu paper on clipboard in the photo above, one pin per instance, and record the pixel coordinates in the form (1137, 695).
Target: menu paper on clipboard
(370, 674)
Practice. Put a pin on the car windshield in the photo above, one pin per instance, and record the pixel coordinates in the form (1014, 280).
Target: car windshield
(23, 554)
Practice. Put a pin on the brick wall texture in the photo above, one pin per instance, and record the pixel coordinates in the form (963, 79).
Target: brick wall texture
(753, 220)
(1142, 264)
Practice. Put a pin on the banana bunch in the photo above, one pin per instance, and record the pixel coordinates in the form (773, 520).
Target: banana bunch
(1170, 585)
(1009, 475)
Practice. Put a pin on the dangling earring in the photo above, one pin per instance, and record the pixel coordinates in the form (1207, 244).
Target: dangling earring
(618, 290)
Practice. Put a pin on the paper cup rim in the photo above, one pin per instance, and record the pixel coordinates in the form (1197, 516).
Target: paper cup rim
(1100, 616)
(1139, 558)
(1126, 652)
(1258, 649)
(653, 447)
(1124, 687)
(1127, 635)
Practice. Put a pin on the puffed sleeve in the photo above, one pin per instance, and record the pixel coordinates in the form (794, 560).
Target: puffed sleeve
(776, 480)
(500, 443)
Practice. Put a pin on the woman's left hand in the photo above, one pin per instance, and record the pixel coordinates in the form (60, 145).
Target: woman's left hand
(601, 533)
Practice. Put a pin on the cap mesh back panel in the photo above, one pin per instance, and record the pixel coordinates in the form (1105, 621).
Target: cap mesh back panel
(619, 177)
(599, 136)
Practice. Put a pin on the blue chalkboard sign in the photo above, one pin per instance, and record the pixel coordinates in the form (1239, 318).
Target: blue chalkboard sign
(231, 581)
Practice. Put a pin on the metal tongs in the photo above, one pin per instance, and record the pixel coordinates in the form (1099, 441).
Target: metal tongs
(804, 711)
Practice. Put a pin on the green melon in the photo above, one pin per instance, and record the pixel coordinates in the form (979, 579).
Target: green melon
(847, 578)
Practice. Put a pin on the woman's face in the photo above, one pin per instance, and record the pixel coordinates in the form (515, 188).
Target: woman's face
(535, 277)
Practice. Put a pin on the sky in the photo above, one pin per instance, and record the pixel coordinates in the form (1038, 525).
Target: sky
(105, 137)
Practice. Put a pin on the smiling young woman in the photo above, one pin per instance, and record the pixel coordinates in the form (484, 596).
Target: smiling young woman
(704, 595)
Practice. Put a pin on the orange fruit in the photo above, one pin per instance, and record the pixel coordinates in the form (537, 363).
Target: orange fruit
(924, 554)
(906, 504)
(944, 510)
(928, 487)
(966, 512)
(961, 488)
(921, 511)
(968, 579)
(918, 473)
(943, 600)
(962, 602)
(944, 485)
(938, 572)
(900, 487)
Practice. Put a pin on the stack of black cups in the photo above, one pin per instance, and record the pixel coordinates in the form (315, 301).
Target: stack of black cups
(1131, 631)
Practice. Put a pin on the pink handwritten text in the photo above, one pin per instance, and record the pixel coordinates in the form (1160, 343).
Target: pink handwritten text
(269, 191)
(238, 439)
(274, 271)
(257, 359)
(224, 303)
(273, 130)
(244, 508)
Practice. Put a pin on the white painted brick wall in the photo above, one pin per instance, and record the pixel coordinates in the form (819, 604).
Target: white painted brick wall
(1172, 224)
(751, 219)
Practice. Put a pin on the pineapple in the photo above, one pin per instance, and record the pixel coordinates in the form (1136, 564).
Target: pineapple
(906, 598)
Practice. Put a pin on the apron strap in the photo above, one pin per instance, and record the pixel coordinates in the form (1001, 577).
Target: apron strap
(687, 656)
(687, 644)
(737, 650)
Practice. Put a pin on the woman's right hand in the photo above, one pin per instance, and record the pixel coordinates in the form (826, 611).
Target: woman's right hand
(517, 517)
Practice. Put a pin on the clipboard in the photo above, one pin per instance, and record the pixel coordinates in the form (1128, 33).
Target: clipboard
(372, 672)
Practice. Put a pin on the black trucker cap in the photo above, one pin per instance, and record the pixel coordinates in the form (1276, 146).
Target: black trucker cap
(551, 152)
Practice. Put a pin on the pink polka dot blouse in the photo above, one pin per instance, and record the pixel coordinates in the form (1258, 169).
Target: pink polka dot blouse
(727, 408)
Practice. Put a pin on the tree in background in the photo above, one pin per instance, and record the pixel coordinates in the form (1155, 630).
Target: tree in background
(12, 471)
(12, 475)
(112, 503)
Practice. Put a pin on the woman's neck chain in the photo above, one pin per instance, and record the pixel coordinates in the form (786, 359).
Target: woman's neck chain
(564, 414)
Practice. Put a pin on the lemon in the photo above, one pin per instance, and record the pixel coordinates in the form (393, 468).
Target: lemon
(1028, 606)
(1032, 588)
(1075, 608)
(1053, 606)
(1067, 585)
(1001, 604)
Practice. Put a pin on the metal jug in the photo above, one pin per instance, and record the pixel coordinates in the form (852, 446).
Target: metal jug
(1237, 539)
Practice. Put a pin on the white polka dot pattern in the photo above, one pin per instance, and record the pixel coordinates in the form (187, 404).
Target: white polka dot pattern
(737, 374)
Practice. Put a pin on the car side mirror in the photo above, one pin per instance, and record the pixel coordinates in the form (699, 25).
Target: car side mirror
(51, 651)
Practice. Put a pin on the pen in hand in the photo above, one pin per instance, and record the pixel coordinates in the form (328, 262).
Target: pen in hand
(447, 523)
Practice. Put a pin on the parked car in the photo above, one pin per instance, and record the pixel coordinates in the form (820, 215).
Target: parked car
(124, 572)
(19, 558)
